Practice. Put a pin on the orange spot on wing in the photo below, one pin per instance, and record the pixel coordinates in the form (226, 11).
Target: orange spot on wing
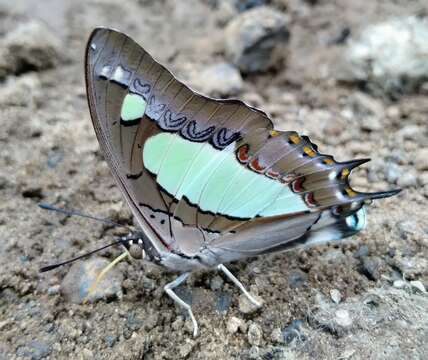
(288, 178)
(328, 161)
(310, 199)
(295, 139)
(309, 151)
(345, 173)
(272, 174)
(255, 165)
(243, 153)
(297, 186)
(350, 192)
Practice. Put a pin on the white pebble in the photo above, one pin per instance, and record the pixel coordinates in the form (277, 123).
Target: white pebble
(335, 295)
(343, 318)
(418, 285)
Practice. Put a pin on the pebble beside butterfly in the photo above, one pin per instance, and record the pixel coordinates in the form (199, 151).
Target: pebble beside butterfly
(209, 181)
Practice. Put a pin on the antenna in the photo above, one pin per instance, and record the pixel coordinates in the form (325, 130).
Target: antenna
(54, 266)
(45, 206)
(123, 240)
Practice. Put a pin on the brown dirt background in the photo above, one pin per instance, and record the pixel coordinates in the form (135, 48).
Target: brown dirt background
(48, 152)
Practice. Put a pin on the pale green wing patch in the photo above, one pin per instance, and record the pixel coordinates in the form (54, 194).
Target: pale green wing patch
(207, 173)
(133, 107)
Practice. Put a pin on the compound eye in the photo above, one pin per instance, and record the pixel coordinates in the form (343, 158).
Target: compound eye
(135, 251)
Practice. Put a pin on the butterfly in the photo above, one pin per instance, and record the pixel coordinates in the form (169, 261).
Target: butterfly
(210, 181)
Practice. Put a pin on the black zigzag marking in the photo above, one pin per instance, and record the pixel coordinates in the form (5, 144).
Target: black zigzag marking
(191, 132)
(224, 137)
(171, 122)
(154, 110)
(138, 87)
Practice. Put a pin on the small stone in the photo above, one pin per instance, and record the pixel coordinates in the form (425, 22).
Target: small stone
(54, 290)
(410, 132)
(369, 107)
(297, 278)
(151, 321)
(333, 256)
(220, 80)
(418, 285)
(30, 46)
(408, 179)
(347, 354)
(133, 323)
(411, 267)
(246, 306)
(226, 10)
(255, 334)
(255, 40)
(393, 173)
(82, 275)
(186, 348)
(362, 251)
(371, 123)
(400, 284)
(22, 91)
(35, 350)
(253, 99)
(393, 112)
(406, 228)
(370, 267)
(423, 178)
(244, 5)
(216, 283)
(234, 324)
(87, 354)
(293, 332)
(54, 158)
(343, 318)
(223, 302)
(110, 340)
(388, 55)
(276, 336)
(421, 159)
(335, 295)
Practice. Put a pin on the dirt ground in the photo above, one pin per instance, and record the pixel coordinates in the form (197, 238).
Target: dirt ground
(349, 301)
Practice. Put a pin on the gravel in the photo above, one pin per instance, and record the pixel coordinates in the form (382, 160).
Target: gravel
(390, 55)
(255, 40)
(219, 80)
(31, 46)
(49, 151)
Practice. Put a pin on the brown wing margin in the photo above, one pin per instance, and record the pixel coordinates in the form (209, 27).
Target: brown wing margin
(103, 140)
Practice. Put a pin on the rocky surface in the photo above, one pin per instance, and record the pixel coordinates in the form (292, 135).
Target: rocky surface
(30, 46)
(392, 55)
(363, 298)
(218, 80)
(255, 40)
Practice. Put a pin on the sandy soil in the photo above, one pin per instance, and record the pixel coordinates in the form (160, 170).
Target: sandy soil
(49, 153)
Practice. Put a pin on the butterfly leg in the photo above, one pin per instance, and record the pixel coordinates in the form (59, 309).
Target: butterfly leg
(241, 287)
(102, 274)
(168, 289)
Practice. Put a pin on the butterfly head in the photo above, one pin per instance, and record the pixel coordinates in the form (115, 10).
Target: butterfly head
(139, 247)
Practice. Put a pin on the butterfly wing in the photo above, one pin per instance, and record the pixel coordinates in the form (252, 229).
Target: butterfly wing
(205, 173)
